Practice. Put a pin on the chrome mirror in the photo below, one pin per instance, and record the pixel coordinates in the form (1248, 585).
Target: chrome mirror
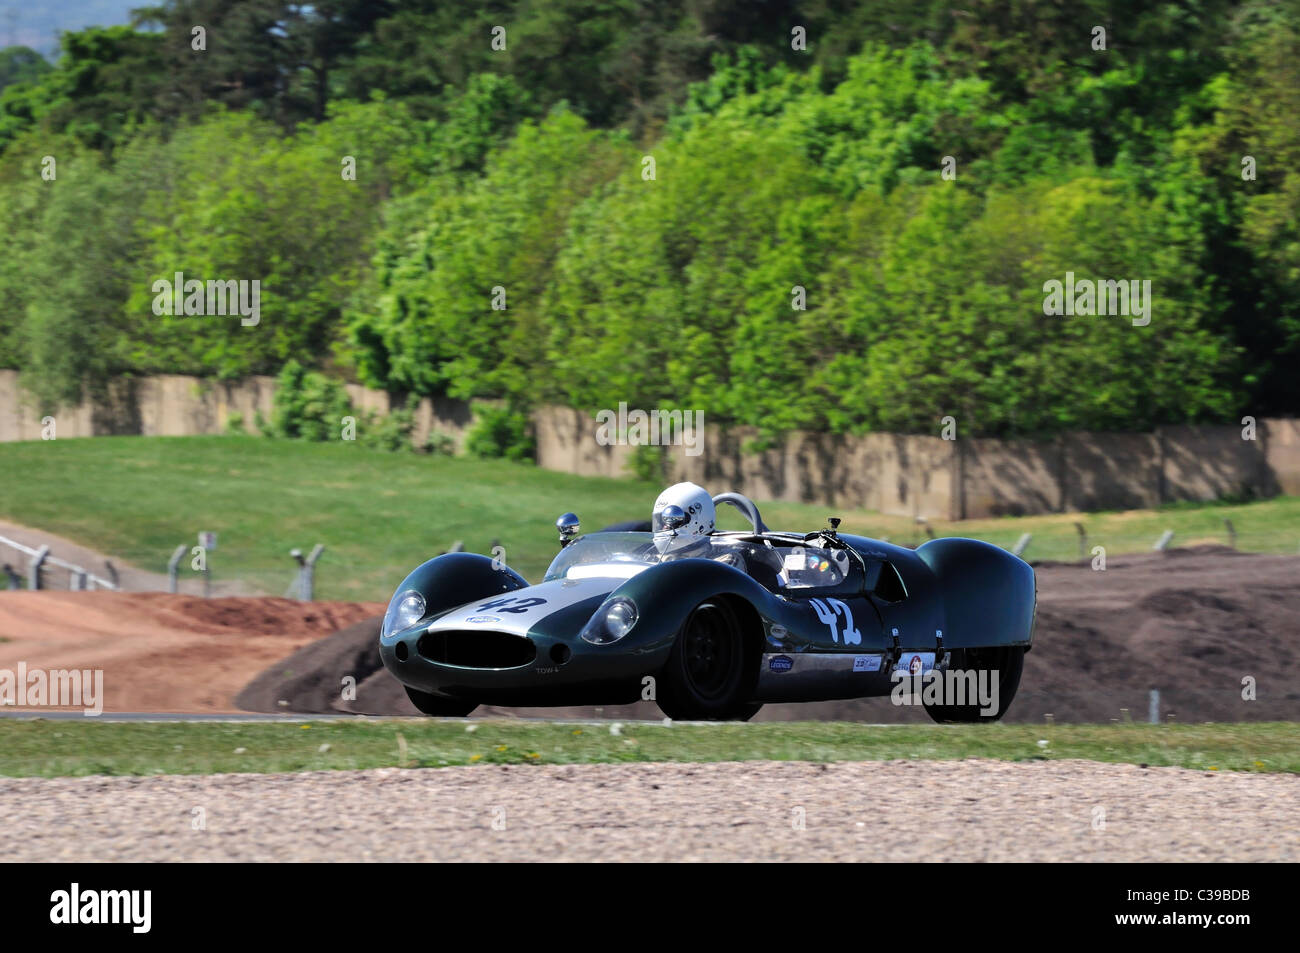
(567, 527)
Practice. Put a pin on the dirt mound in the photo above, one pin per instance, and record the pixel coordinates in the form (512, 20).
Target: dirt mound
(162, 652)
(252, 616)
(313, 678)
(1192, 623)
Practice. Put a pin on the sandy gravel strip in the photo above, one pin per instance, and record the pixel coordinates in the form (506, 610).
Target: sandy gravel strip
(900, 810)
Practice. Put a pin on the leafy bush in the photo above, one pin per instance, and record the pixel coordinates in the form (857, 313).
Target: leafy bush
(500, 432)
(308, 405)
(391, 431)
(440, 444)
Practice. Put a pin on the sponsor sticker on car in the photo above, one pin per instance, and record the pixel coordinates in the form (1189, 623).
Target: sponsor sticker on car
(915, 663)
(781, 663)
(483, 618)
(866, 663)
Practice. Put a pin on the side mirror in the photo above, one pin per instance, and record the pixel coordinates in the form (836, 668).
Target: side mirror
(673, 517)
(567, 527)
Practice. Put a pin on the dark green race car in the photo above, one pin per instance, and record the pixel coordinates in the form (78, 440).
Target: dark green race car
(714, 629)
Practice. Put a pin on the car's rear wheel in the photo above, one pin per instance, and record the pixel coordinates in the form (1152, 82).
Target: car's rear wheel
(1003, 665)
(430, 704)
(711, 670)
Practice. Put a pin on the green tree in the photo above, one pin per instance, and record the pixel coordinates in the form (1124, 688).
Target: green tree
(21, 64)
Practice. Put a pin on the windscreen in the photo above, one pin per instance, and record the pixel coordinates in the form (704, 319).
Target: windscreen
(616, 555)
(784, 566)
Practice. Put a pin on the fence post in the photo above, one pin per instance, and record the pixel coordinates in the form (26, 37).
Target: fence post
(1163, 542)
(173, 565)
(1021, 544)
(34, 567)
(296, 586)
(1153, 707)
(309, 572)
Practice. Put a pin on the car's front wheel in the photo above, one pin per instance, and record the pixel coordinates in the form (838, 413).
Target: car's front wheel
(997, 673)
(710, 672)
(430, 704)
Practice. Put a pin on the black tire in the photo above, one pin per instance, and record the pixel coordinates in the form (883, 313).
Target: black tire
(439, 705)
(1004, 663)
(711, 670)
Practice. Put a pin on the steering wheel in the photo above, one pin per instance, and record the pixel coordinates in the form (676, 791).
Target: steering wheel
(746, 506)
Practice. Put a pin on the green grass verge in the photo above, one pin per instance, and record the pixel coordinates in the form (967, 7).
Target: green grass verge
(44, 748)
(381, 514)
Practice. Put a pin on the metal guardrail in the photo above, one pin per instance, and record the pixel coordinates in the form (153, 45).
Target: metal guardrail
(38, 560)
(39, 564)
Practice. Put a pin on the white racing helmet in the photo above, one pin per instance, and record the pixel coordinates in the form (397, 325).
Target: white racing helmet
(696, 503)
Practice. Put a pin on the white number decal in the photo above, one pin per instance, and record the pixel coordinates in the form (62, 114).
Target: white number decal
(851, 635)
(827, 614)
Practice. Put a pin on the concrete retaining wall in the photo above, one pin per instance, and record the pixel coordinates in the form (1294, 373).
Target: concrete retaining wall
(174, 405)
(966, 478)
(889, 473)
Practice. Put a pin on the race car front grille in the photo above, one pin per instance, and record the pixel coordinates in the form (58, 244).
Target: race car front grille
(477, 648)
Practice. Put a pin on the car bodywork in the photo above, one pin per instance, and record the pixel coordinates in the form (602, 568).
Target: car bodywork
(836, 630)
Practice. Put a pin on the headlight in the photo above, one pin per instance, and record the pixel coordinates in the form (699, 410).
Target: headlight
(406, 609)
(613, 622)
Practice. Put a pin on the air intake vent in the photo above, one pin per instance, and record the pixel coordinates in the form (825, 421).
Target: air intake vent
(477, 648)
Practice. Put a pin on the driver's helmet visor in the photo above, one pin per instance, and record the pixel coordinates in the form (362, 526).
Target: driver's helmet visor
(657, 522)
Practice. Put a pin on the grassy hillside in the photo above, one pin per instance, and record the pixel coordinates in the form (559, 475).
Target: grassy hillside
(380, 514)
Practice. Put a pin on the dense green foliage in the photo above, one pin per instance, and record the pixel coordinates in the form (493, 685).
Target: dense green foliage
(21, 64)
(503, 238)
